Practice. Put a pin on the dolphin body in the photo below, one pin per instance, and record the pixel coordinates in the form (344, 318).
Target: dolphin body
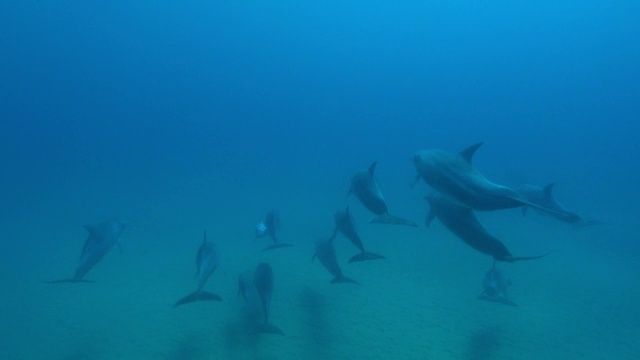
(462, 222)
(206, 263)
(365, 187)
(326, 253)
(345, 224)
(271, 227)
(543, 197)
(263, 282)
(494, 286)
(102, 238)
(454, 176)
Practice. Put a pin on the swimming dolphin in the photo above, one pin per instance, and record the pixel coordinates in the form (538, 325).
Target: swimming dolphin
(543, 197)
(365, 187)
(454, 176)
(271, 227)
(326, 253)
(263, 282)
(206, 264)
(346, 225)
(494, 286)
(102, 238)
(462, 222)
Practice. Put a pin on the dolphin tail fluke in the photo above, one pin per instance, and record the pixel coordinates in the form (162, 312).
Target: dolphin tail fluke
(198, 296)
(522, 258)
(364, 256)
(497, 299)
(276, 246)
(392, 220)
(344, 280)
(70, 280)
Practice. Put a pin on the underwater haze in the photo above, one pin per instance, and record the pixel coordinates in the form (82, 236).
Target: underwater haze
(178, 117)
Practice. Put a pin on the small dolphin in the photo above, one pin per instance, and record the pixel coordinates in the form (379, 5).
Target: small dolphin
(271, 227)
(326, 253)
(346, 225)
(543, 197)
(206, 264)
(462, 222)
(263, 282)
(365, 187)
(102, 238)
(454, 176)
(494, 286)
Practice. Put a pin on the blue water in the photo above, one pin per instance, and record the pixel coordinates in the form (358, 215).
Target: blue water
(207, 114)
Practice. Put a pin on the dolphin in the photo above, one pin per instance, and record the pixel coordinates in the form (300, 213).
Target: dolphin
(271, 227)
(462, 222)
(263, 282)
(102, 238)
(543, 197)
(326, 253)
(365, 187)
(454, 176)
(206, 264)
(494, 286)
(346, 225)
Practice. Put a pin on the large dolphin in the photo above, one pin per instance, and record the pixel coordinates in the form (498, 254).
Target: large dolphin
(326, 253)
(271, 227)
(494, 285)
(263, 282)
(365, 187)
(206, 263)
(462, 222)
(102, 238)
(543, 197)
(345, 224)
(454, 176)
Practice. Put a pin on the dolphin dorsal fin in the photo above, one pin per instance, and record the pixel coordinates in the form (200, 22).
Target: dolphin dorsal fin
(548, 189)
(90, 228)
(372, 168)
(467, 153)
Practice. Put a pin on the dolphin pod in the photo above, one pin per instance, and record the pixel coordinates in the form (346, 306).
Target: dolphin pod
(102, 238)
(206, 264)
(462, 222)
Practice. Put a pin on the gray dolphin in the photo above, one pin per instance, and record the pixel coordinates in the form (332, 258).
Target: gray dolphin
(346, 225)
(263, 282)
(102, 238)
(206, 263)
(365, 187)
(494, 284)
(326, 253)
(454, 176)
(462, 222)
(271, 227)
(543, 197)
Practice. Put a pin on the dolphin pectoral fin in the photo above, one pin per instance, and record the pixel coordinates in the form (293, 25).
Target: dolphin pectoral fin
(430, 216)
(276, 246)
(391, 220)
(267, 328)
(344, 280)
(198, 295)
(497, 299)
(70, 280)
(364, 256)
(524, 210)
